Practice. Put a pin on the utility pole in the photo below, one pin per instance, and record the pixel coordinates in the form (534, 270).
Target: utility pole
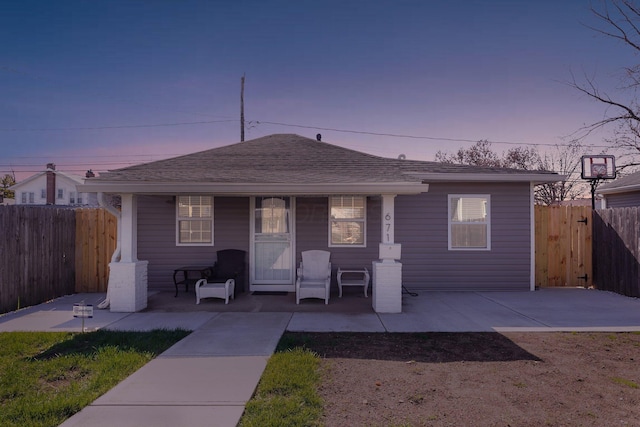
(242, 108)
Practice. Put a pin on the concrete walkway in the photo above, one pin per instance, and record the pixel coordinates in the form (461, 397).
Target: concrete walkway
(207, 378)
(204, 380)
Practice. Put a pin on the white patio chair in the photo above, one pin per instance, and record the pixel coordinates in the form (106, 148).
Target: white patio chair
(222, 290)
(314, 276)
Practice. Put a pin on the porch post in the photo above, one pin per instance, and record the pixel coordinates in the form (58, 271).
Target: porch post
(386, 292)
(532, 237)
(128, 277)
(388, 218)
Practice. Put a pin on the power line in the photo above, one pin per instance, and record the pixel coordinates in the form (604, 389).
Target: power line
(92, 156)
(431, 138)
(258, 122)
(22, 165)
(391, 135)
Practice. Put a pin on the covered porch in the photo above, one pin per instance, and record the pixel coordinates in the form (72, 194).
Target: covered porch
(150, 253)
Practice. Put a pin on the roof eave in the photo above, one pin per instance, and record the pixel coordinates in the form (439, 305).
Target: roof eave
(252, 189)
(537, 178)
(622, 189)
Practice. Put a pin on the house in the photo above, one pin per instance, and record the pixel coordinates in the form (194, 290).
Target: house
(455, 227)
(620, 193)
(52, 187)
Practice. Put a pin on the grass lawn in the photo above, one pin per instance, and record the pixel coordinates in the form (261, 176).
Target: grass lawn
(45, 377)
(287, 393)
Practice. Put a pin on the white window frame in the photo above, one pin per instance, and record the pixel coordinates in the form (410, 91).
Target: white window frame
(72, 197)
(362, 220)
(486, 222)
(27, 198)
(60, 193)
(180, 219)
(43, 194)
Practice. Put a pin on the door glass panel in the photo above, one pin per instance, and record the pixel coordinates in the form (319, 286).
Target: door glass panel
(273, 257)
(272, 215)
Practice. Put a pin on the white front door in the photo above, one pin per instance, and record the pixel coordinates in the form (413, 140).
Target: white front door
(272, 255)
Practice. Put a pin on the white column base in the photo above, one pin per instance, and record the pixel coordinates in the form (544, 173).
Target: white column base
(387, 287)
(128, 286)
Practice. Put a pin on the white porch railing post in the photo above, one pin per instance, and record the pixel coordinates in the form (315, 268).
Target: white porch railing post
(386, 295)
(388, 218)
(128, 277)
(129, 215)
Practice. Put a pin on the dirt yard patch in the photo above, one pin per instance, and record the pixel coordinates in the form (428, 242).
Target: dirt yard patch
(480, 379)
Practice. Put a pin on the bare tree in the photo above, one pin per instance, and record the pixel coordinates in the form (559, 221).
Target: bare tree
(480, 154)
(620, 20)
(566, 161)
(563, 159)
(526, 158)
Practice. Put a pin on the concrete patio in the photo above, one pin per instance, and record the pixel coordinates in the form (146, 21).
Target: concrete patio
(555, 309)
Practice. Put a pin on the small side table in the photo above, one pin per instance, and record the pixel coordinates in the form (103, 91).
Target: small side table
(201, 273)
(354, 277)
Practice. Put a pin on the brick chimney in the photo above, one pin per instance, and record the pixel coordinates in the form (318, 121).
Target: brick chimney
(90, 174)
(51, 184)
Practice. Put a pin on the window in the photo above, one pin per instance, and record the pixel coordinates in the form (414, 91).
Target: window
(347, 222)
(60, 193)
(194, 220)
(43, 194)
(72, 197)
(27, 198)
(79, 199)
(469, 222)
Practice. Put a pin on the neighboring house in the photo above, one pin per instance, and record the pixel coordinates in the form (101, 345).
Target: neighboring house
(52, 187)
(459, 227)
(620, 193)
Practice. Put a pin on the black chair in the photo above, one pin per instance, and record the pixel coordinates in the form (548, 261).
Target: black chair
(231, 264)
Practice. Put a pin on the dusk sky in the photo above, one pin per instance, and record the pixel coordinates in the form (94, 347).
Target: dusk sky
(105, 84)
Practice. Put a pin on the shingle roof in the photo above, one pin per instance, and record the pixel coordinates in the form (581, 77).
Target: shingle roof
(626, 183)
(287, 158)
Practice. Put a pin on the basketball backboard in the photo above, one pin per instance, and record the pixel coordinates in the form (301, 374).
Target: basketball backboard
(600, 166)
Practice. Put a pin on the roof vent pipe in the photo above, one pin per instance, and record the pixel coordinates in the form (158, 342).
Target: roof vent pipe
(319, 137)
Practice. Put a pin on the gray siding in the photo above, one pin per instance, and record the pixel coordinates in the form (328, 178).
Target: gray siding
(623, 200)
(421, 228)
(312, 218)
(157, 236)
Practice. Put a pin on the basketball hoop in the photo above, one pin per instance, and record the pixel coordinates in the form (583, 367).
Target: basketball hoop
(596, 168)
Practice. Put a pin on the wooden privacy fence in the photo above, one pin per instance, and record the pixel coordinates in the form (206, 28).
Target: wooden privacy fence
(563, 239)
(96, 239)
(47, 252)
(37, 255)
(616, 253)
